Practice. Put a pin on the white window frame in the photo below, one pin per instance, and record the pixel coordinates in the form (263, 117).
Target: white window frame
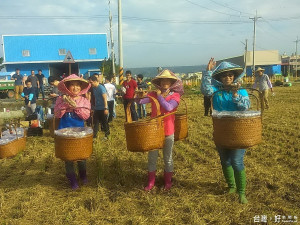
(92, 51)
(62, 51)
(25, 53)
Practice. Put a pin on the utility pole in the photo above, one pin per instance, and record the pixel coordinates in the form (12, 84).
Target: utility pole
(112, 42)
(245, 54)
(120, 42)
(254, 36)
(296, 56)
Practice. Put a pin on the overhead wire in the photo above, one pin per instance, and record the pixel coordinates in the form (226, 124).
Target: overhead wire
(140, 18)
(163, 43)
(127, 18)
(212, 9)
(230, 7)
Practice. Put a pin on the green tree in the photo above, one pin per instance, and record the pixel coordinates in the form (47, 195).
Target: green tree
(107, 68)
(1, 61)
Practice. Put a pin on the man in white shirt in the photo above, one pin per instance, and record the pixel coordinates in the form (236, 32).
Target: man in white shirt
(263, 82)
(111, 92)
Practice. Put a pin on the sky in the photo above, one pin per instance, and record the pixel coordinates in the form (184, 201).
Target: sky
(163, 32)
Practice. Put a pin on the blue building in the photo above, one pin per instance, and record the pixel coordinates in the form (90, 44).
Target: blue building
(48, 51)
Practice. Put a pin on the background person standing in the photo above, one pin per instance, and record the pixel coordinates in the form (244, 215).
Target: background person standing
(18, 78)
(142, 86)
(111, 92)
(101, 108)
(264, 83)
(41, 77)
(129, 88)
(34, 82)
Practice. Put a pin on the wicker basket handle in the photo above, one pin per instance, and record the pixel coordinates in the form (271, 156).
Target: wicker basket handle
(128, 112)
(169, 114)
(186, 112)
(251, 89)
(12, 125)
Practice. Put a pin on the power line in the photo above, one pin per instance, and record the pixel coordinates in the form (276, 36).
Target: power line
(212, 9)
(274, 28)
(186, 21)
(230, 7)
(283, 19)
(127, 18)
(11, 17)
(164, 43)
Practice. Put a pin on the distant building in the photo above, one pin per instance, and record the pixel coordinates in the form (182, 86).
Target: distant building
(48, 51)
(269, 60)
(292, 64)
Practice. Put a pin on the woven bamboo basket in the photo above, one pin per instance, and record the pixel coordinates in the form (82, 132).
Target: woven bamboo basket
(143, 136)
(73, 148)
(14, 147)
(181, 124)
(237, 133)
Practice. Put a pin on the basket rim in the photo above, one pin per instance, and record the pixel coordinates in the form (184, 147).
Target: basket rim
(17, 139)
(71, 138)
(236, 118)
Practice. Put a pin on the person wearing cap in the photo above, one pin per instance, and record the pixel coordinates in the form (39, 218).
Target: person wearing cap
(18, 78)
(128, 89)
(73, 109)
(225, 77)
(263, 82)
(169, 89)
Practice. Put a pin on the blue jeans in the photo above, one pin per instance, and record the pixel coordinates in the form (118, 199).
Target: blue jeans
(41, 89)
(234, 158)
(139, 110)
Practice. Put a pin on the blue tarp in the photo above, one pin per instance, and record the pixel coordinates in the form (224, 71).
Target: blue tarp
(270, 70)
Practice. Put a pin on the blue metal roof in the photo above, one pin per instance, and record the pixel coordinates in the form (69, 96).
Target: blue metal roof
(5, 73)
(45, 48)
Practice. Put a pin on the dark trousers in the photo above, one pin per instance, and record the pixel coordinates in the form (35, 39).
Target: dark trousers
(207, 105)
(110, 105)
(36, 92)
(100, 117)
(41, 90)
(134, 116)
(70, 166)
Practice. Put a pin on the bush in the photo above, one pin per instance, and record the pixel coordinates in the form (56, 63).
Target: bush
(278, 83)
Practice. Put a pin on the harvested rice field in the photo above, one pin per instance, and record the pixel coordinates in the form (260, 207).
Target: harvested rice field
(34, 189)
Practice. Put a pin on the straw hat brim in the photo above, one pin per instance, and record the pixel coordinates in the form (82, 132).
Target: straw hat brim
(238, 71)
(156, 80)
(83, 83)
(260, 69)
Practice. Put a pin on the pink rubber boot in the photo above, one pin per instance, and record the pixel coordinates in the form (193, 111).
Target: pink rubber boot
(168, 180)
(151, 181)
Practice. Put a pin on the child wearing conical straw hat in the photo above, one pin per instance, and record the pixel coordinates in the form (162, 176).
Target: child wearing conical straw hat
(168, 91)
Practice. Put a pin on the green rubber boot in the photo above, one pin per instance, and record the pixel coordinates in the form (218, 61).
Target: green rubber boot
(229, 177)
(240, 179)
